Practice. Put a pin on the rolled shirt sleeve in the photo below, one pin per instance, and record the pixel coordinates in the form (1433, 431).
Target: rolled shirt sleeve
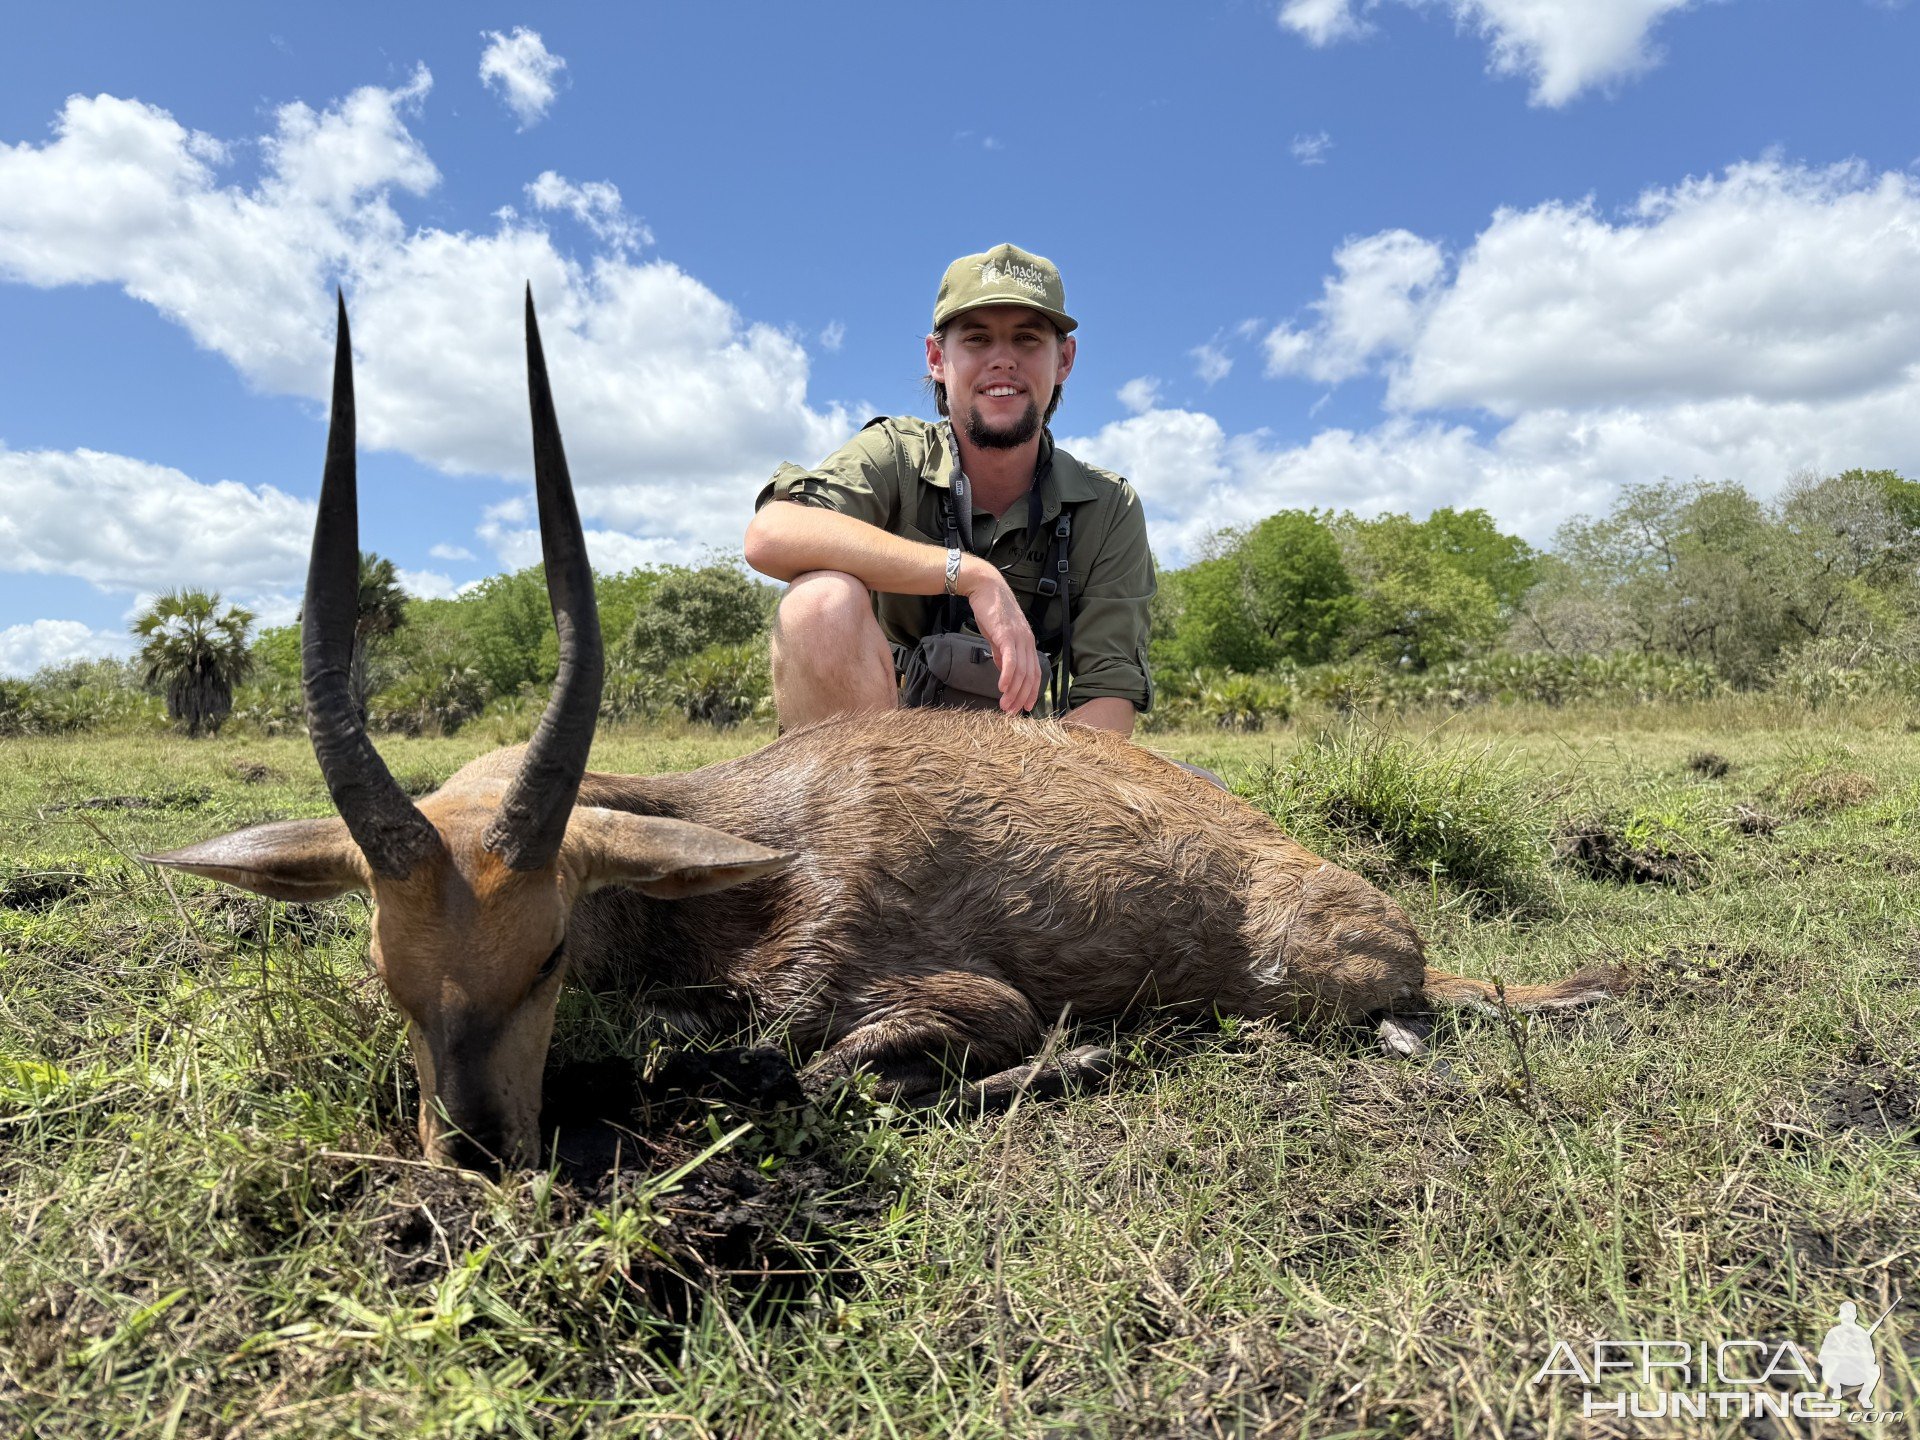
(1110, 623)
(860, 479)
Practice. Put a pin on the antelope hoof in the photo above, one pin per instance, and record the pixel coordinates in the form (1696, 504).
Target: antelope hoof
(1404, 1038)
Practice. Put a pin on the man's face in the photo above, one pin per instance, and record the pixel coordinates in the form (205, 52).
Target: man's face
(1000, 364)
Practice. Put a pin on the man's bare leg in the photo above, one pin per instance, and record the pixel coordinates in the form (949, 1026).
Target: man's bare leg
(829, 655)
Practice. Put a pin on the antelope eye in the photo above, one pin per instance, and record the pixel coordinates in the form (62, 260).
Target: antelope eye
(553, 962)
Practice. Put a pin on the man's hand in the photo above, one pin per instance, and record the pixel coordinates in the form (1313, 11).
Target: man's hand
(1005, 629)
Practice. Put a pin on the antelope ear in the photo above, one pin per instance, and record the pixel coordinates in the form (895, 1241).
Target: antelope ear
(667, 859)
(288, 860)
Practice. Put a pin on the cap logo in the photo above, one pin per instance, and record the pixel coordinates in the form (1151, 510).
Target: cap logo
(1030, 278)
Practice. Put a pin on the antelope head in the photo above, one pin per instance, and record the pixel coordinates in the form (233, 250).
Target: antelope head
(473, 886)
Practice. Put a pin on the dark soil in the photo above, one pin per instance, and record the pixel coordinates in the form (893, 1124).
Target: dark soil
(1595, 847)
(1708, 765)
(188, 799)
(1872, 1102)
(254, 920)
(761, 1217)
(41, 889)
(1707, 972)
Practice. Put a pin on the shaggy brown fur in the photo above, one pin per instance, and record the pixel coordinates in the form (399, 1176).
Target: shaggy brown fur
(963, 878)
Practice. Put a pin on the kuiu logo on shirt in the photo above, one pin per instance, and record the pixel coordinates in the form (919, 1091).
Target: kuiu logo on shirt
(1027, 277)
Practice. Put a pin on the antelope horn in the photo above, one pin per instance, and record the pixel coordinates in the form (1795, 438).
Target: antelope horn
(533, 818)
(390, 831)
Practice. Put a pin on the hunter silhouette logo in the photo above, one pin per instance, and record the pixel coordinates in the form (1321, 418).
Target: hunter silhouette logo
(1846, 1356)
(1744, 1379)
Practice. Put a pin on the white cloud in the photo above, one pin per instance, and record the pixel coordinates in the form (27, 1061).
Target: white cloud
(1773, 282)
(1312, 149)
(1211, 363)
(1140, 395)
(595, 204)
(149, 527)
(26, 648)
(1323, 21)
(675, 408)
(833, 336)
(1746, 327)
(521, 68)
(1563, 46)
(426, 584)
(444, 551)
(517, 546)
(1177, 459)
(1373, 305)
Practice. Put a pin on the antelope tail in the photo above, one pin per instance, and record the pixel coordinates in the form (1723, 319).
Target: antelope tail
(1590, 986)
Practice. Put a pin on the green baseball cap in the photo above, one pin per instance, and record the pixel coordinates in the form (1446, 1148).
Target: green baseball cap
(1004, 275)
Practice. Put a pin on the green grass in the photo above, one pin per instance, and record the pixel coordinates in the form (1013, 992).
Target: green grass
(213, 1221)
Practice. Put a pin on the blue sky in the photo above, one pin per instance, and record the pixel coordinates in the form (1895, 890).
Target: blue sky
(1379, 256)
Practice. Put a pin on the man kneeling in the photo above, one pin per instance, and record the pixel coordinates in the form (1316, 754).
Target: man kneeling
(970, 562)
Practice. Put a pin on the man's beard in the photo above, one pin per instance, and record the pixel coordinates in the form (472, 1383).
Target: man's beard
(1014, 436)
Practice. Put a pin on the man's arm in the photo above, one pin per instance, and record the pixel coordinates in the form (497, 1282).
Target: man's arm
(786, 539)
(1105, 712)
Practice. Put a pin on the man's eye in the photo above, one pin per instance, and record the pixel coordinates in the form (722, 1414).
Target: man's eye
(553, 962)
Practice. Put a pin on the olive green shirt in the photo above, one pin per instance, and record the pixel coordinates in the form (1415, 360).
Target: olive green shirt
(893, 475)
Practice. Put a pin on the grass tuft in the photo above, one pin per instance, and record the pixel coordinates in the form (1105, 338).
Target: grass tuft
(1394, 808)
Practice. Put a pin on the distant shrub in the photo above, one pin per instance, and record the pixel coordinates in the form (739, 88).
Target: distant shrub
(436, 702)
(693, 611)
(1348, 685)
(29, 708)
(1395, 809)
(1832, 670)
(16, 708)
(1220, 699)
(723, 684)
(271, 705)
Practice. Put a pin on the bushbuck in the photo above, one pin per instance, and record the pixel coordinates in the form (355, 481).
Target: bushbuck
(920, 892)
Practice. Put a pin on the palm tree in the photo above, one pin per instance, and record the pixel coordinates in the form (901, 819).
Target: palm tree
(380, 610)
(195, 653)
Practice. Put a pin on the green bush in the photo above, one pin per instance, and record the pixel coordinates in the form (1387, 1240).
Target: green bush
(692, 611)
(1222, 699)
(723, 684)
(433, 703)
(1395, 809)
(271, 705)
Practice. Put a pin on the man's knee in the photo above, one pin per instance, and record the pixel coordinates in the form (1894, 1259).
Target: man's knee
(824, 605)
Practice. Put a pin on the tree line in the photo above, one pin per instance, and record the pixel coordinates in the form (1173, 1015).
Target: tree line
(1680, 589)
(1702, 580)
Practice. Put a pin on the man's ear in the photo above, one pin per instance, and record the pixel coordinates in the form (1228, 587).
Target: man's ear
(667, 859)
(289, 859)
